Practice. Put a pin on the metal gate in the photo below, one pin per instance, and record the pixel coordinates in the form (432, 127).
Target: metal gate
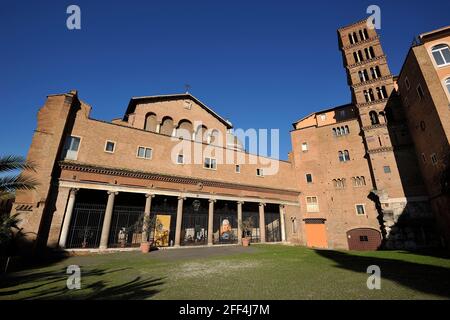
(254, 234)
(195, 229)
(225, 228)
(195, 224)
(126, 227)
(273, 227)
(86, 225)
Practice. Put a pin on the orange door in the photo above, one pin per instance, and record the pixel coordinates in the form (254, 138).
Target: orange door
(316, 236)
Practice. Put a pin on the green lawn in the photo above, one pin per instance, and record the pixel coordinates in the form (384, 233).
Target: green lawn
(261, 272)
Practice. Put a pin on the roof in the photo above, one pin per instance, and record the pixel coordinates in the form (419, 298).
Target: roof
(353, 24)
(136, 100)
(434, 34)
(323, 111)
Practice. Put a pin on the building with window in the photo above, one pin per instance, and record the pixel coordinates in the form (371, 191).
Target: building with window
(367, 143)
(351, 181)
(427, 109)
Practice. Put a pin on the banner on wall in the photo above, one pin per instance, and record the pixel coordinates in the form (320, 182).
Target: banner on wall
(225, 229)
(162, 230)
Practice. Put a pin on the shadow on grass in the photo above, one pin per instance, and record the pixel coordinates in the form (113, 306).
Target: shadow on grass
(136, 289)
(421, 277)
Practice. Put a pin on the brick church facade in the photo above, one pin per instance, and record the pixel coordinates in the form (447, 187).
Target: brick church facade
(355, 178)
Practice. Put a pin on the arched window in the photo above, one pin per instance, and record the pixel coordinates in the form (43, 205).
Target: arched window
(447, 84)
(184, 129)
(371, 52)
(347, 130)
(346, 155)
(214, 137)
(380, 93)
(201, 134)
(374, 118)
(384, 92)
(355, 37)
(355, 56)
(377, 72)
(338, 131)
(350, 38)
(363, 76)
(363, 181)
(335, 183)
(366, 51)
(334, 132)
(441, 54)
(150, 122)
(366, 96)
(361, 35)
(360, 55)
(371, 95)
(166, 126)
(366, 34)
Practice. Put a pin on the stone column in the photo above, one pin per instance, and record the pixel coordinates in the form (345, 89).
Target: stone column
(211, 221)
(262, 223)
(147, 209)
(239, 215)
(67, 218)
(158, 127)
(282, 225)
(179, 221)
(107, 220)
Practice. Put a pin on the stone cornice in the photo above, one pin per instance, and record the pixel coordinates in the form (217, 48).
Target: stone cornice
(353, 24)
(380, 150)
(350, 66)
(375, 126)
(82, 167)
(371, 103)
(377, 37)
(372, 81)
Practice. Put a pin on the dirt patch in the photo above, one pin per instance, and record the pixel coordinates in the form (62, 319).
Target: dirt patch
(211, 268)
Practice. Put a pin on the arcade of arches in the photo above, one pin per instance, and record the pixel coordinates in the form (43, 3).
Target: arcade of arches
(108, 219)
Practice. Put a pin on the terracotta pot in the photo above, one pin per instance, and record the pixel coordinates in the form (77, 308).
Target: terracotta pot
(145, 247)
(245, 242)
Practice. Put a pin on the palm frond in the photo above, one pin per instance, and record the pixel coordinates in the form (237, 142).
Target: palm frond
(10, 184)
(8, 163)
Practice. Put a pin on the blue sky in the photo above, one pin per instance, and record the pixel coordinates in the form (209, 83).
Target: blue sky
(260, 64)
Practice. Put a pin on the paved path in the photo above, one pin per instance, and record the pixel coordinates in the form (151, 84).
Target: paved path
(200, 252)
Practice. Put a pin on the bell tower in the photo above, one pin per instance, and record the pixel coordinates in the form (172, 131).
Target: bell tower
(372, 87)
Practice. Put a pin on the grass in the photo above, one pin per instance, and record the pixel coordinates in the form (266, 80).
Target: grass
(262, 272)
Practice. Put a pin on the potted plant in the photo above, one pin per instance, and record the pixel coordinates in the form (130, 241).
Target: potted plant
(147, 233)
(246, 227)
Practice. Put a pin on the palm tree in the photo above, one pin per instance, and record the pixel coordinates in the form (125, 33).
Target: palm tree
(9, 184)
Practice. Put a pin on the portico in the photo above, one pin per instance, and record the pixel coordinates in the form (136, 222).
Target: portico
(102, 216)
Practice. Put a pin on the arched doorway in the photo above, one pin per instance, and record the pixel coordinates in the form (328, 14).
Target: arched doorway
(364, 239)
